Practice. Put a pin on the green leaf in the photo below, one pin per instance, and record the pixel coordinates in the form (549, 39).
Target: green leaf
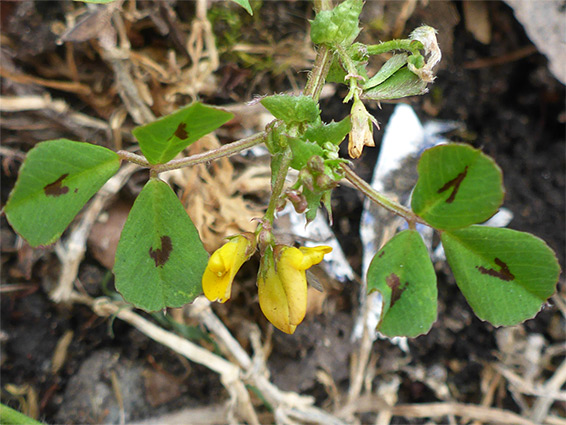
(160, 258)
(313, 198)
(246, 5)
(13, 417)
(292, 109)
(504, 274)
(458, 186)
(337, 26)
(334, 132)
(403, 273)
(161, 140)
(303, 151)
(401, 84)
(57, 178)
(387, 70)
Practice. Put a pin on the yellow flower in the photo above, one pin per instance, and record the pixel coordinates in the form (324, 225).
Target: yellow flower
(282, 287)
(223, 265)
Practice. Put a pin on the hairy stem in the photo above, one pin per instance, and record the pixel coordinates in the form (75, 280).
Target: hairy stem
(317, 77)
(381, 199)
(134, 158)
(225, 150)
(352, 76)
(412, 46)
(278, 185)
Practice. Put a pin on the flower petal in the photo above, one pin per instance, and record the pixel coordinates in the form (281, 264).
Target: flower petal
(223, 265)
(273, 301)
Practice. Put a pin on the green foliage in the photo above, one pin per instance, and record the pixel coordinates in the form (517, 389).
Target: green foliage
(387, 70)
(161, 140)
(292, 109)
(403, 273)
(160, 258)
(402, 83)
(245, 4)
(458, 186)
(338, 26)
(333, 132)
(13, 417)
(57, 178)
(303, 150)
(504, 274)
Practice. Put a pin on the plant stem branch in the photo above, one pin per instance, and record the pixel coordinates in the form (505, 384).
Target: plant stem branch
(381, 199)
(134, 158)
(412, 46)
(225, 150)
(317, 77)
(278, 185)
(352, 76)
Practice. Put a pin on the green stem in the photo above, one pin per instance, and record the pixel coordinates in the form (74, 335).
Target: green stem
(278, 185)
(317, 76)
(412, 46)
(352, 74)
(380, 198)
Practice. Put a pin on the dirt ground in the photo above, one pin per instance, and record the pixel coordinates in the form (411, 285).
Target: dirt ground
(66, 363)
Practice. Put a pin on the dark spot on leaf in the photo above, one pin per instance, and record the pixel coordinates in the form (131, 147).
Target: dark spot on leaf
(394, 283)
(160, 256)
(56, 188)
(504, 273)
(76, 190)
(181, 131)
(454, 184)
(381, 254)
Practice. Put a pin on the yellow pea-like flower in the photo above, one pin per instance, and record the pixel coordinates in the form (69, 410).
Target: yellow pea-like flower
(282, 286)
(223, 265)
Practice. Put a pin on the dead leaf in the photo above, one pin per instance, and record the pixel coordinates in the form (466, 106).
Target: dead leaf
(105, 234)
(476, 19)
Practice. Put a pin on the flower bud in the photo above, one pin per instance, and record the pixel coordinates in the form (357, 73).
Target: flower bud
(316, 164)
(298, 200)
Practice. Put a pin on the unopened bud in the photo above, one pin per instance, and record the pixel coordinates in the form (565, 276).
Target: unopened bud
(298, 200)
(305, 177)
(316, 164)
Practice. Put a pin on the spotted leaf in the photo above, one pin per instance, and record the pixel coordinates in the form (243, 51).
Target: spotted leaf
(505, 275)
(56, 179)
(160, 258)
(458, 186)
(403, 273)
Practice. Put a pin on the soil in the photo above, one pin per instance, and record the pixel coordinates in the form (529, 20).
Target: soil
(513, 110)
